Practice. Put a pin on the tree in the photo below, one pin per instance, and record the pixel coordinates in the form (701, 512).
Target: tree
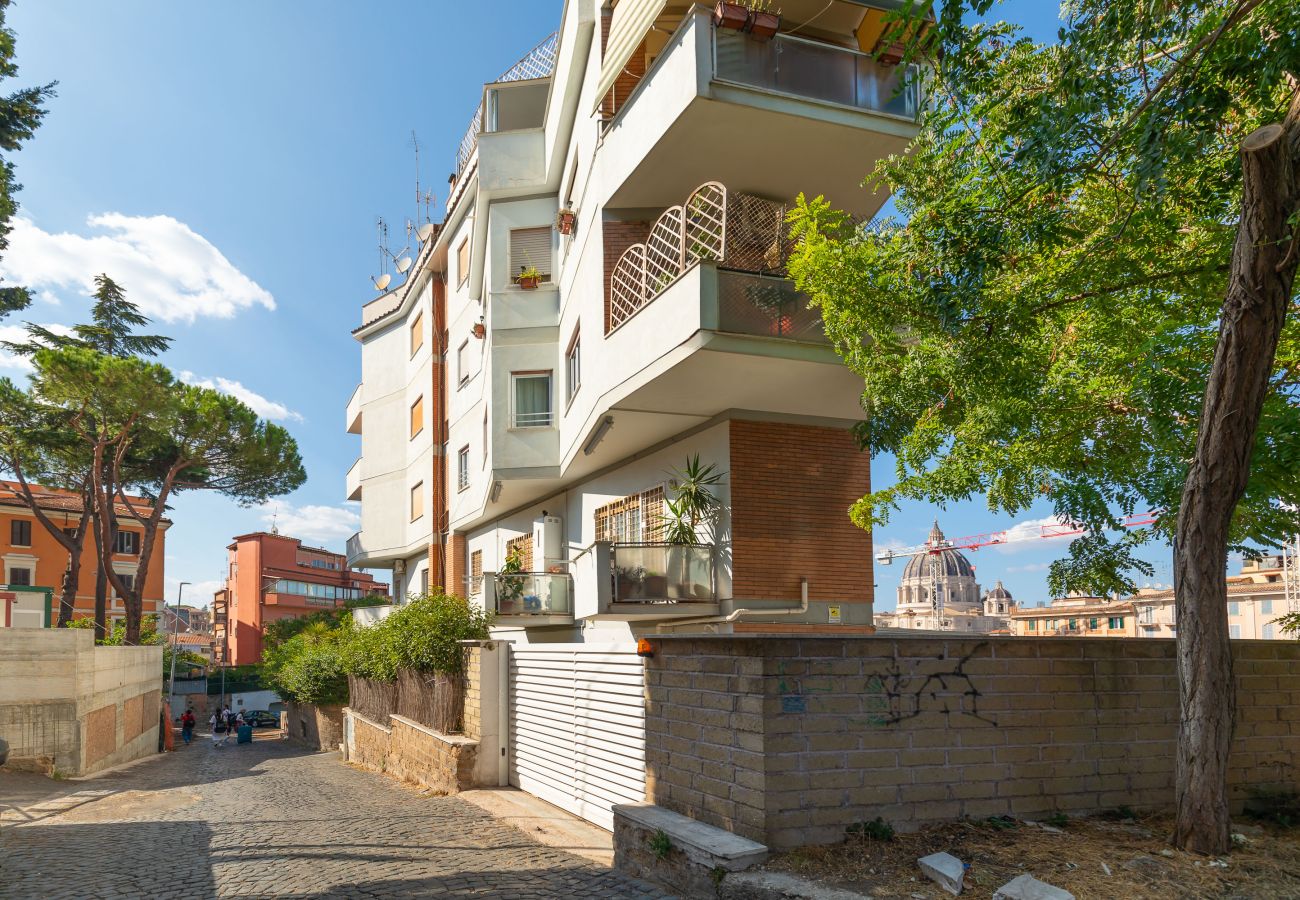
(21, 113)
(1049, 321)
(37, 449)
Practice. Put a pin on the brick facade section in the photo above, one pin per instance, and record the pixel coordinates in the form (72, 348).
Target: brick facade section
(438, 420)
(456, 566)
(617, 237)
(791, 489)
(789, 741)
(473, 714)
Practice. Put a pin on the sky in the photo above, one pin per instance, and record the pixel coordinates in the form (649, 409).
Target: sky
(226, 163)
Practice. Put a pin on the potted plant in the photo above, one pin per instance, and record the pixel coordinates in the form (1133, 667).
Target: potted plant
(479, 330)
(763, 21)
(565, 219)
(528, 278)
(730, 15)
(692, 507)
(510, 586)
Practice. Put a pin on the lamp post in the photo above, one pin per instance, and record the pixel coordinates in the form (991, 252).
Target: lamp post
(171, 678)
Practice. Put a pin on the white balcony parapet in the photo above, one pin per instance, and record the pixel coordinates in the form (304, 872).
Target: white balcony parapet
(736, 230)
(353, 480)
(379, 307)
(354, 412)
(536, 63)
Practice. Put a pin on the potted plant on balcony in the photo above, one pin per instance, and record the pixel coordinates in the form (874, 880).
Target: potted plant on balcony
(731, 15)
(528, 278)
(479, 330)
(693, 507)
(510, 586)
(763, 21)
(565, 219)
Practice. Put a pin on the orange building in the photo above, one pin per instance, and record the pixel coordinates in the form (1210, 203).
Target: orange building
(270, 577)
(32, 557)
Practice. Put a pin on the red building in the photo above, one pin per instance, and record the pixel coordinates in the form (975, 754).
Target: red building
(270, 577)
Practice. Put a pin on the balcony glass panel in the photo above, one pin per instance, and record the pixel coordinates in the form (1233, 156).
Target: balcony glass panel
(533, 594)
(805, 68)
(757, 304)
(662, 573)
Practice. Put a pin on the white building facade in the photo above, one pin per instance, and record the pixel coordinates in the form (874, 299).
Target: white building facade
(521, 442)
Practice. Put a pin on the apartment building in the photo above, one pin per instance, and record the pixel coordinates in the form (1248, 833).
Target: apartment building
(1257, 598)
(521, 437)
(1076, 616)
(273, 576)
(32, 558)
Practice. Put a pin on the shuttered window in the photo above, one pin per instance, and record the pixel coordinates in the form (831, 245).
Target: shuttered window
(531, 247)
(476, 572)
(417, 416)
(636, 519)
(417, 333)
(462, 262)
(417, 501)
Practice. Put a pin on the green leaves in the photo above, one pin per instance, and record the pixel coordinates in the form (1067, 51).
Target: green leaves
(1041, 323)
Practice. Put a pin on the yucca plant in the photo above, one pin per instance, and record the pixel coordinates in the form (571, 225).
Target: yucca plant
(693, 504)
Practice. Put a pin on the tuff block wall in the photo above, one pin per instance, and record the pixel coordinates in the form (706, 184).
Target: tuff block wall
(314, 727)
(791, 489)
(789, 741)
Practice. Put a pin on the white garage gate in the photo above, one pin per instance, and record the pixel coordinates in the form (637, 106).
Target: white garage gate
(577, 726)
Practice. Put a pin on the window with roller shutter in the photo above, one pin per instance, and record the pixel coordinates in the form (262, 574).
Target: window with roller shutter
(530, 247)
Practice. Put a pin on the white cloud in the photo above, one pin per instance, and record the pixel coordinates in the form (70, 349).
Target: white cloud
(17, 334)
(266, 408)
(1023, 535)
(314, 524)
(1031, 567)
(172, 273)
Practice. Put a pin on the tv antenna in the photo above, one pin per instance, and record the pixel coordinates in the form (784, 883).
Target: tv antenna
(423, 199)
(384, 279)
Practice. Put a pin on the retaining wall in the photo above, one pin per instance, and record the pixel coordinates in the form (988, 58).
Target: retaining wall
(314, 727)
(789, 741)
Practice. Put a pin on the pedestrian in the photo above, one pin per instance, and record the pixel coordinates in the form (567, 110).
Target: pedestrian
(230, 725)
(187, 725)
(217, 724)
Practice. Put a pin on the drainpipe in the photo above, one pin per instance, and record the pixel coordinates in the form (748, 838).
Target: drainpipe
(737, 614)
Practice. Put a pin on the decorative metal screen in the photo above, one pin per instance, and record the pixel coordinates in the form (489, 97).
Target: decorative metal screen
(627, 286)
(522, 547)
(663, 250)
(635, 519)
(705, 222)
(476, 573)
(757, 237)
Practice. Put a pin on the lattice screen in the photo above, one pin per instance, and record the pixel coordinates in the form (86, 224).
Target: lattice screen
(635, 519)
(523, 546)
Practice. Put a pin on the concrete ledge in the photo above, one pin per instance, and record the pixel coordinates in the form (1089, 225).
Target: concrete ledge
(453, 739)
(696, 859)
(779, 886)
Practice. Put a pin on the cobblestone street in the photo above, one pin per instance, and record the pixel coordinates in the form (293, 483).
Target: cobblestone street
(270, 820)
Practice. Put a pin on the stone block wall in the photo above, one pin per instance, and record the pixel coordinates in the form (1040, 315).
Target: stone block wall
(411, 752)
(369, 742)
(314, 727)
(473, 693)
(788, 741)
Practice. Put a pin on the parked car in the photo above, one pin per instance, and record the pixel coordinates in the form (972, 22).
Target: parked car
(260, 718)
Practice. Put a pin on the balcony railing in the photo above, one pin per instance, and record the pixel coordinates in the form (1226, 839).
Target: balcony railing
(663, 573)
(766, 306)
(805, 68)
(536, 63)
(354, 548)
(529, 594)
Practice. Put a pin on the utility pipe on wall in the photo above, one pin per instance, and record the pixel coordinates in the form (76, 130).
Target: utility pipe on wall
(736, 614)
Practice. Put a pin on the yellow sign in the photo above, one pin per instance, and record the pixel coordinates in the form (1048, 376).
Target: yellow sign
(833, 613)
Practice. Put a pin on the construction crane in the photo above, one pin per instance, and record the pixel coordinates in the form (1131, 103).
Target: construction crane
(1291, 574)
(934, 549)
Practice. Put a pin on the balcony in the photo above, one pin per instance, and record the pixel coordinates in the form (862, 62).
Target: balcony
(352, 481)
(354, 550)
(379, 307)
(529, 598)
(353, 417)
(645, 582)
(514, 310)
(774, 118)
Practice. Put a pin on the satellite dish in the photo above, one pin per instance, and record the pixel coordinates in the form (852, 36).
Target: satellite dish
(403, 264)
(425, 232)
(382, 281)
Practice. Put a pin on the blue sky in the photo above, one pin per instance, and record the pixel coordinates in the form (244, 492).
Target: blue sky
(226, 164)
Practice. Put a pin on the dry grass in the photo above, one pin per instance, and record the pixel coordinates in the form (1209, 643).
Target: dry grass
(1268, 866)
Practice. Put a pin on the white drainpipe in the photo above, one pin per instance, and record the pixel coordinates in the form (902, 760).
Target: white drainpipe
(736, 614)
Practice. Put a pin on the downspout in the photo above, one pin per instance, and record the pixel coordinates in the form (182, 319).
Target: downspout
(737, 614)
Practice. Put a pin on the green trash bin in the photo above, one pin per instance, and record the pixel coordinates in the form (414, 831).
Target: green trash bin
(244, 734)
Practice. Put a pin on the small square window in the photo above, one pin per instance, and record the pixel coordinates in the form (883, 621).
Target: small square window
(127, 542)
(417, 416)
(20, 533)
(531, 248)
(462, 468)
(531, 398)
(417, 333)
(20, 576)
(417, 501)
(1234, 631)
(1266, 607)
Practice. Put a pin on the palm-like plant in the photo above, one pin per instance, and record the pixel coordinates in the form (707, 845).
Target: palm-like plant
(693, 504)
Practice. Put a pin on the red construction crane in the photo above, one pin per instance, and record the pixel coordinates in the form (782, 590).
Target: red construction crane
(992, 538)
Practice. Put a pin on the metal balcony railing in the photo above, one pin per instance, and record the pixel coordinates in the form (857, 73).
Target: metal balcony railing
(767, 306)
(800, 67)
(529, 594)
(536, 63)
(663, 573)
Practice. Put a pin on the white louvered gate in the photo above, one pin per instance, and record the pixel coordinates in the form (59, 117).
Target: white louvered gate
(577, 726)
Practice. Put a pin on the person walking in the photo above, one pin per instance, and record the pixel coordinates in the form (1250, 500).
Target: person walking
(187, 725)
(217, 724)
(230, 725)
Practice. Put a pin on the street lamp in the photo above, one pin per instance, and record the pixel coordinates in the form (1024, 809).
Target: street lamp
(171, 680)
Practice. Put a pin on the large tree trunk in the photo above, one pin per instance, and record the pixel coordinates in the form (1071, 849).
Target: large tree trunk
(1254, 311)
(68, 598)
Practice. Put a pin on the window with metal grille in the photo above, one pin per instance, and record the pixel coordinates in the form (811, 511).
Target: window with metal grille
(531, 247)
(635, 519)
(20, 533)
(417, 500)
(521, 547)
(127, 542)
(531, 397)
(462, 468)
(476, 573)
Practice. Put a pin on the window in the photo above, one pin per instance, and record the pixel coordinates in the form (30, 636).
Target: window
(424, 582)
(1266, 606)
(20, 533)
(462, 262)
(573, 366)
(462, 468)
(462, 363)
(531, 393)
(1092, 624)
(417, 416)
(1074, 624)
(1268, 632)
(1031, 625)
(521, 547)
(531, 247)
(127, 542)
(128, 581)
(417, 333)
(417, 500)
(1115, 622)
(485, 436)
(1234, 631)
(635, 519)
(476, 572)
(20, 576)
(71, 532)
(1234, 608)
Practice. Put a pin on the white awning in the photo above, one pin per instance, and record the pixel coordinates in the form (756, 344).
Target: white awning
(632, 19)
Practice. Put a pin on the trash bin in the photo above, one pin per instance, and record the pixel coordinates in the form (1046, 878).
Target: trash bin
(244, 734)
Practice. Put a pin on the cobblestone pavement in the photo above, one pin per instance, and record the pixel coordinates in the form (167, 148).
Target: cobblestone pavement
(270, 820)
